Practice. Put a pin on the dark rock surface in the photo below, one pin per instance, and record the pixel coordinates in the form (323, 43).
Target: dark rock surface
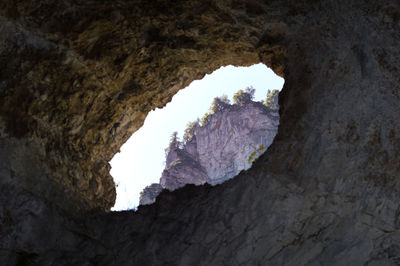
(78, 77)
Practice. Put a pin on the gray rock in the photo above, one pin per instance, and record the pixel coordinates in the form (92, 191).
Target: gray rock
(326, 192)
(149, 194)
(228, 143)
(234, 138)
(183, 170)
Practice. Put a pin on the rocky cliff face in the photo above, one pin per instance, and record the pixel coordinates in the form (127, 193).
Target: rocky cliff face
(230, 141)
(150, 193)
(182, 169)
(233, 139)
(78, 77)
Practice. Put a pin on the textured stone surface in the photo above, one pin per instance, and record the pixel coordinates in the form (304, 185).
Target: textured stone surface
(78, 77)
(229, 143)
(150, 193)
(182, 168)
(325, 193)
(225, 146)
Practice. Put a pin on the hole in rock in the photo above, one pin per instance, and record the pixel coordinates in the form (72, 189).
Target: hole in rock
(143, 158)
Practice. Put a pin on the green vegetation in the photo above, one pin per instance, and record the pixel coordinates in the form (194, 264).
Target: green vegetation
(272, 100)
(174, 142)
(250, 160)
(205, 119)
(242, 97)
(260, 149)
(190, 130)
(174, 139)
(219, 103)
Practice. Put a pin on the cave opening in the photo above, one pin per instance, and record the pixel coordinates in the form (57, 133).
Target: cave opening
(143, 157)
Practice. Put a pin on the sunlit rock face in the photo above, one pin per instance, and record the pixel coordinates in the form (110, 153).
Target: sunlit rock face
(181, 170)
(78, 77)
(234, 139)
(231, 141)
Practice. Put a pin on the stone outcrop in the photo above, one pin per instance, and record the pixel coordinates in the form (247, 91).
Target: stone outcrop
(230, 141)
(149, 193)
(77, 78)
(181, 170)
(233, 139)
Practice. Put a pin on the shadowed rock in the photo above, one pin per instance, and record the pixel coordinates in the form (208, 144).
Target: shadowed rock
(150, 193)
(77, 78)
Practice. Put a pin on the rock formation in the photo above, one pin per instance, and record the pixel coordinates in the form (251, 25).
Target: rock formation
(233, 139)
(182, 169)
(230, 141)
(77, 78)
(149, 194)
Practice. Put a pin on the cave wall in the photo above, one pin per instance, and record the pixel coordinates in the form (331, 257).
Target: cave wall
(83, 75)
(79, 77)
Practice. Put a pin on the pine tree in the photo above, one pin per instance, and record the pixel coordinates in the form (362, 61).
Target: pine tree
(190, 130)
(242, 97)
(219, 103)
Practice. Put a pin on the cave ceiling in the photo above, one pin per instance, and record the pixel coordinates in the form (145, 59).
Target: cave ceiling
(77, 78)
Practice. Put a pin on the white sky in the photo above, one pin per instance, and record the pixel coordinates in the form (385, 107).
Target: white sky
(142, 158)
